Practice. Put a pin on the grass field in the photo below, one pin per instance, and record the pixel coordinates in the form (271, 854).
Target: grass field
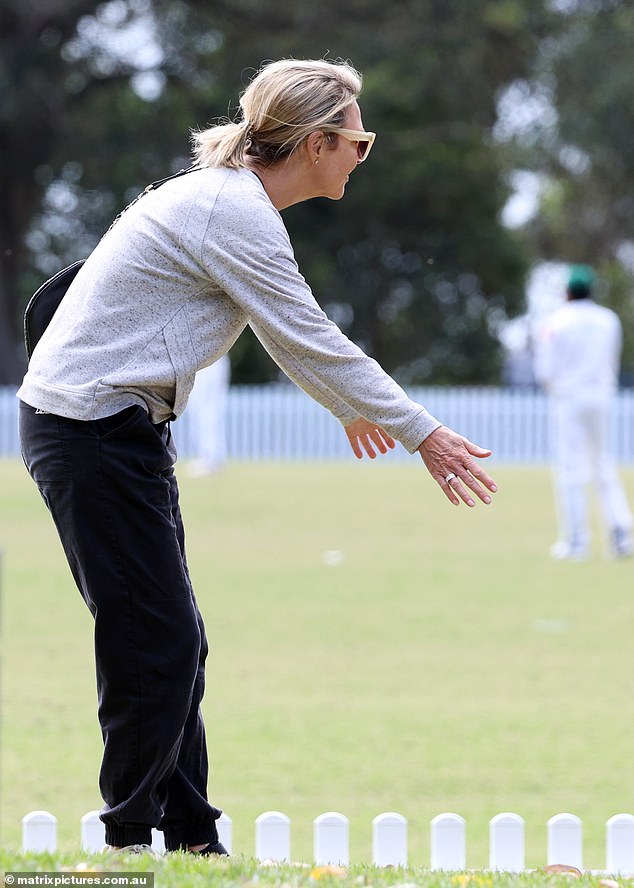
(179, 870)
(444, 664)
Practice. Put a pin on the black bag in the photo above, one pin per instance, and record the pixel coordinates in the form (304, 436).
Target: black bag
(44, 302)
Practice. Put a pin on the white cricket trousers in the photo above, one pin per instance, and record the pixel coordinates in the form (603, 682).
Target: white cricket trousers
(207, 406)
(580, 429)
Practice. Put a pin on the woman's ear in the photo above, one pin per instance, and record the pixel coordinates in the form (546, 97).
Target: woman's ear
(314, 146)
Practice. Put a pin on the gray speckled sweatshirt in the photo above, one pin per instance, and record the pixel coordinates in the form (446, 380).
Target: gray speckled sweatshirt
(169, 289)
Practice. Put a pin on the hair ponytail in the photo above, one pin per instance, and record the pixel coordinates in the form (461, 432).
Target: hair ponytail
(284, 102)
(222, 145)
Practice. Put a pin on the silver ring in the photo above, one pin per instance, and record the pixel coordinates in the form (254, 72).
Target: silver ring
(450, 477)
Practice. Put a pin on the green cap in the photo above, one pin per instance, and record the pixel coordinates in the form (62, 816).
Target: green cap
(582, 277)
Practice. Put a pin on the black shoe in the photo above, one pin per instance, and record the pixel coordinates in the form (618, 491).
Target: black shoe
(216, 849)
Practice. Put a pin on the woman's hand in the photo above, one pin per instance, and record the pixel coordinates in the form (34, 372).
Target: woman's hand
(449, 458)
(364, 434)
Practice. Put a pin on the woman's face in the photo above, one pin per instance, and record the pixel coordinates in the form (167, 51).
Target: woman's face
(336, 163)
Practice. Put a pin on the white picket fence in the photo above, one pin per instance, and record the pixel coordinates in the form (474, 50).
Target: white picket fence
(389, 839)
(279, 422)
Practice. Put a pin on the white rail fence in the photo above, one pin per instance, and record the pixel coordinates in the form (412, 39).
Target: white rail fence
(279, 422)
(389, 839)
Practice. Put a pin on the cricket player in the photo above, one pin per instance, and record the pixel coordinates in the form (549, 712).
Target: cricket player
(577, 363)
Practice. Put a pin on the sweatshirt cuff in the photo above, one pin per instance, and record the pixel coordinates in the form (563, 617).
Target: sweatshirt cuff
(417, 430)
(344, 414)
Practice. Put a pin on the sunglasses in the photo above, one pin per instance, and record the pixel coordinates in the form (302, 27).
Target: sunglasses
(364, 141)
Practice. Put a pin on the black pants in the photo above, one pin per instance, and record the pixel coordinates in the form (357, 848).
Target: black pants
(110, 487)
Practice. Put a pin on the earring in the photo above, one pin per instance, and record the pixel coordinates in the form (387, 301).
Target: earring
(316, 162)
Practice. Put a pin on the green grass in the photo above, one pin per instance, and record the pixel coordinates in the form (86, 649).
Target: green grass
(179, 870)
(445, 665)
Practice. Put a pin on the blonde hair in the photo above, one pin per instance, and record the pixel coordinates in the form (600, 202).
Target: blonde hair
(285, 101)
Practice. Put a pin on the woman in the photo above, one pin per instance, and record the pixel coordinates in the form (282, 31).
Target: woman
(165, 293)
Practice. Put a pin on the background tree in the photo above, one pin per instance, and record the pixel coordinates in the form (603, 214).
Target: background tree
(72, 130)
(33, 95)
(583, 149)
(414, 263)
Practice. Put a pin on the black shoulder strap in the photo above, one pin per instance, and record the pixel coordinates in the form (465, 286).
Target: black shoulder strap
(45, 301)
(152, 187)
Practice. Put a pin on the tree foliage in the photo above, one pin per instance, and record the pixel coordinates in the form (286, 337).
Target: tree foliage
(584, 150)
(414, 263)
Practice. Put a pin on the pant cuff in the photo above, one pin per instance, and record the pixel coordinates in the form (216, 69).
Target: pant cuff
(179, 838)
(121, 834)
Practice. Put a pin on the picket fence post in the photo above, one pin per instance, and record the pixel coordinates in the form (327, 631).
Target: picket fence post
(619, 844)
(565, 840)
(273, 837)
(448, 842)
(39, 831)
(93, 832)
(330, 839)
(224, 825)
(158, 841)
(506, 843)
(389, 840)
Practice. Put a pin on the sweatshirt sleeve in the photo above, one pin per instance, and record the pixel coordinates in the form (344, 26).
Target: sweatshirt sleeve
(303, 378)
(247, 252)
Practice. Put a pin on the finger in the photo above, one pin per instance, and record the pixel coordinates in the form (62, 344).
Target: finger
(367, 446)
(378, 440)
(476, 450)
(391, 443)
(460, 486)
(449, 491)
(356, 449)
(483, 477)
(467, 481)
(458, 489)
